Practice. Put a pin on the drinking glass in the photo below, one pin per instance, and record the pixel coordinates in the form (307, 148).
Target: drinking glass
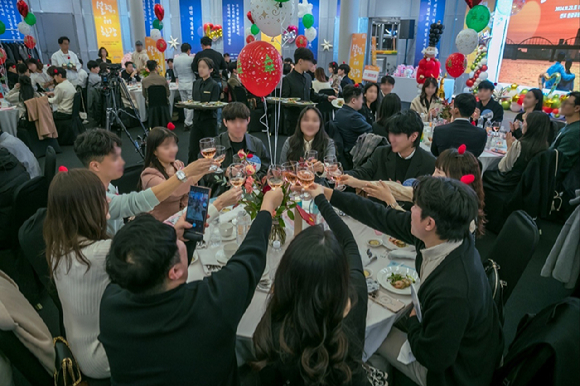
(220, 156)
(237, 174)
(215, 238)
(289, 173)
(275, 176)
(208, 150)
(305, 176)
(310, 157)
(339, 177)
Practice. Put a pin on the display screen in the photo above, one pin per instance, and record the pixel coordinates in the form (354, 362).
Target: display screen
(197, 206)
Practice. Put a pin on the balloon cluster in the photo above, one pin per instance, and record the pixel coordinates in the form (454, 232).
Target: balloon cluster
(289, 35)
(213, 31)
(25, 26)
(157, 27)
(478, 68)
(252, 31)
(429, 66)
(512, 99)
(305, 13)
(435, 33)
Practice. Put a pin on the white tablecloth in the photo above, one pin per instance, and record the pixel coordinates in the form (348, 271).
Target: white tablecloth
(9, 120)
(137, 95)
(379, 319)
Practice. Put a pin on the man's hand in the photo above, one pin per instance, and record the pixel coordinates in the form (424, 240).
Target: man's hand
(476, 114)
(413, 313)
(198, 168)
(380, 190)
(353, 182)
(230, 197)
(181, 225)
(272, 200)
(331, 98)
(17, 85)
(315, 190)
(49, 93)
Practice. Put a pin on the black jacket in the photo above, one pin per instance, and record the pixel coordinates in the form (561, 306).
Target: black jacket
(381, 130)
(345, 82)
(218, 62)
(351, 124)
(495, 107)
(296, 85)
(459, 133)
(381, 165)
(205, 91)
(460, 340)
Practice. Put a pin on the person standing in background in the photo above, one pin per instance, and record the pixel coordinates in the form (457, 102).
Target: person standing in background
(557, 68)
(139, 57)
(217, 59)
(184, 73)
(103, 56)
(567, 85)
(170, 70)
(66, 59)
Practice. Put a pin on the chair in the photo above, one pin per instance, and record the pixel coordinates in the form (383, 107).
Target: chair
(514, 257)
(23, 360)
(239, 95)
(28, 198)
(69, 127)
(158, 106)
(27, 133)
(50, 165)
(130, 179)
(325, 107)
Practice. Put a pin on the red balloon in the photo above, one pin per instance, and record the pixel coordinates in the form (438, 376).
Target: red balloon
(159, 11)
(22, 8)
(250, 18)
(216, 27)
(521, 100)
(484, 68)
(301, 41)
(161, 45)
(29, 41)
(469, 82)
(547, 110)
(472, 3)
(260, 68)
(456, 64)
(555, 111)
(428, 69)
(250, 38)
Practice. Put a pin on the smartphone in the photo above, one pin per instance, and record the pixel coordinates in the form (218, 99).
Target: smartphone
(197, 206)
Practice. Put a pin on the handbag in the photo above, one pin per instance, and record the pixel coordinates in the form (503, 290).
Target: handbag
(496, 284)
(375, 376)
(67, 371)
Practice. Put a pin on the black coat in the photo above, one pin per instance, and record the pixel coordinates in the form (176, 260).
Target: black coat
(495, 107)
(459, 133)
(296, 85)
(218, 62)
(351, 124)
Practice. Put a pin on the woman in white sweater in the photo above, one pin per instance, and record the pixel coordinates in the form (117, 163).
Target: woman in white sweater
(75, 232)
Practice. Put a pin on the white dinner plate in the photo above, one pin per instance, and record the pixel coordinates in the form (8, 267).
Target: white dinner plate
(335, 103)
(383, 275)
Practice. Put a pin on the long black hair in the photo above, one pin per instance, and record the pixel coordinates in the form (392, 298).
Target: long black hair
(423, 97)
(539, 98)
(302, 325)
(390, 105)
(26, 89)
(375, 105)
(537, 135)
(156, 137)
(296, 141)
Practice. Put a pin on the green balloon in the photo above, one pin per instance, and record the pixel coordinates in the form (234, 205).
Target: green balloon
(30, 19)
(255, 29)
(2, 27)
(477, 18)
(506, 105)
(308, 20)
(158, 24)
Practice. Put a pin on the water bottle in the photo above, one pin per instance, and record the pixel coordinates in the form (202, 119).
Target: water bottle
(167, 77)
(242, 226)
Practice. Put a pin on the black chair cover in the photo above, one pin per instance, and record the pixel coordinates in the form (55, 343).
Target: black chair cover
(27, 133)
(158, 106)
(23, 360)
(49, 165)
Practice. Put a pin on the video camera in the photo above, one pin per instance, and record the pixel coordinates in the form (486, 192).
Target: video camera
(113, 72)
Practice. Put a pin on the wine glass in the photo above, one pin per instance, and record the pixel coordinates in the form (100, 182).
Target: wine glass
(289, 173)
(329, 163)
(339, 177)
(305, 176)
(495, 126)
(208, 150)
(237, 174)
(275, 177)
(220, 156)
(311, 157)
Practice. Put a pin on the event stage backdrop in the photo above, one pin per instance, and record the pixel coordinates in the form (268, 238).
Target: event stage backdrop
(108, 28)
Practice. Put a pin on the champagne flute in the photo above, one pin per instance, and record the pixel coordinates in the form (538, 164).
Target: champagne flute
(275, 177)
(329, 162)
(310, 157)
(208, 150)
(237, 174)
(289, 172)
(220, 156)
(339, 177)
(305, 176)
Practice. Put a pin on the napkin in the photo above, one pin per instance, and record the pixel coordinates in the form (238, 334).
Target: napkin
(402, 254)
(406, 355)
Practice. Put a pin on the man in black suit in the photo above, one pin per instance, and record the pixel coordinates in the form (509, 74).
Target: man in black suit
(343, 71)
(460, 131)
(348, 121)
(401, 160)
(208, 52)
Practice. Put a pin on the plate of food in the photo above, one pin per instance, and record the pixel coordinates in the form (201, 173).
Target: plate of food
(393, 243)
(397, 279)
(338, 103)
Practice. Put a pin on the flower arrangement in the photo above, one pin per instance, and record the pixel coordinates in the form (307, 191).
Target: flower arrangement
(445, 112)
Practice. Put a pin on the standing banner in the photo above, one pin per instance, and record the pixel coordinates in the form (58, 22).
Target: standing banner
(357, 56)
(233, 27)
(108, 27)
(155, 54)
(191, 23)
(430, 11)
(371, 74)
(149, 11)
(10, 17)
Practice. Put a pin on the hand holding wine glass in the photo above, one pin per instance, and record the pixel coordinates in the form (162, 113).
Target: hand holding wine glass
(237, 174)
(311, 157)
(220, 156)
(275, 176)
(208, 149)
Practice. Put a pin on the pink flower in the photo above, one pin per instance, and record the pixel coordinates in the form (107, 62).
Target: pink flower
(242, 154)
(249, 184)
(250, 170)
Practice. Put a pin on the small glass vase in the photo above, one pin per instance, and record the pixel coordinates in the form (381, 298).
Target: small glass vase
(278, 233)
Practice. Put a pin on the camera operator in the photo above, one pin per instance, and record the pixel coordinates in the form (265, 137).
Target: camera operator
(130, 73)
(94, 77)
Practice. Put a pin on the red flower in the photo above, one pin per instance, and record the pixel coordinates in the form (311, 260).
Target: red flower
(266, 188)
(250, 155)
(171, 126)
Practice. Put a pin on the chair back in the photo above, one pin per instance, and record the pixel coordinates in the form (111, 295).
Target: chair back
(23, 360)
(158, 109)
(28, 198)
(49, 164)
(130, 179)
(325, 107)
(511, 257)
(77, 103)
(157, 96)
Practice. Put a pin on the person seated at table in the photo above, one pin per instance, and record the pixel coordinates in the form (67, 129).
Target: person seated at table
(567, 140)
(40, 79)
(387, 85)
(94, 78)
(536, 131)
(22, 70)
(234, 80)
(103, 56)
(343, 71)
(371, 104)
(19, 150)
(22, 91)
(460, 130)
(11, 74)
(427, 104)
(205, 89)
(63, 95)
(150, 307)
(99, 151)
(170, 71)
(487, 104)
(154, 79)
(401, 160)
(313, 329)
(309, 135)
(348, 120)
(533, 101)
(390, 105)
(130, 74)
(320, 81)
(459, 340)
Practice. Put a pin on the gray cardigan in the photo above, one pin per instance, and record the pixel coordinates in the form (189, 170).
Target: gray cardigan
(330, 150)
(128, 205)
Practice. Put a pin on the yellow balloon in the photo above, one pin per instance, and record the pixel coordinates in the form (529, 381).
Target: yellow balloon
(515, 98)
(514, 86)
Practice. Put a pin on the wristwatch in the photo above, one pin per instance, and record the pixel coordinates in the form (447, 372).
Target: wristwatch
(180, 174)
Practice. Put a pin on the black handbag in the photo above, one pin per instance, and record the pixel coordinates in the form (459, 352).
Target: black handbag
(67, 371)
(496, 284)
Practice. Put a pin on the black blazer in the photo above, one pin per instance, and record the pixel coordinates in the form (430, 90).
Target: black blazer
(459, 133)
(382, 164)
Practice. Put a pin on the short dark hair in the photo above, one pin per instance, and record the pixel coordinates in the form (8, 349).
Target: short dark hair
(388, 79)
(185, 47)
(93, 64)
(407, 122)
(209, 62)
(451, 203)
(94, 145)
(561, 56)
(314, 61)
(233, 66)
(141, 254)
(57, 71)
(151, 65)
(169, 60)
(304, 54)
(288, 60)
(334, 67)
(466, 104)
(62, 39)
(344, 67)
(206, 41)
(576, 95)
(36, 62)
(131, 63)
(350, 92)
(486, 85)
(286, 69)
(235, 110)
(226, 54)
(21, 68)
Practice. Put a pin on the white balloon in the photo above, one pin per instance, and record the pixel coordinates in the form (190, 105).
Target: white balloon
(155, 34)
(466, 89)
(483, 75)
(471, 74)
(272, 17)
(483, 61)
(248, 31)
(24, 28)
(310, 33)
(466, 41)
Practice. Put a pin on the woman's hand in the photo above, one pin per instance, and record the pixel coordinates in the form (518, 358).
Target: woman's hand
(509, 139)
(197, 169)
(231, 197)
(476, 114)
(272, 200)
(315, 190)
(381, 191)
(178, 165)
(353, 182)
(318, 167)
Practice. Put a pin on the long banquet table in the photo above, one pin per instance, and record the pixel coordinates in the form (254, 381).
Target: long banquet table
(379, 319)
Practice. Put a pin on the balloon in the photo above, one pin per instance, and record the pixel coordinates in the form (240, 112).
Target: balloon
(514, 86)
(524, 91)
(161, 45)
(469, 82)
(155, 34)
(301, 41)
(427, 68)
(249, 16)
(310, 33)
(272, 17)
(22, 8)
(30, 19)
(547, 110)
(471, 74)
(2, 55)
(308, 20)
(505, 105)
(517, 6)
(483, 61)
(556, 103)
(515, 107)
(254, 29)
(472, 3)
(158, 24)
(24, 28)
(288, 37)
(477, 18)
(456, 64)
(292, 28)
(250, 38)
(2, 27)
(159, 11)
(484, 68)
(555, 111)
(521, 100)
(515, 98)
(466, 90)
(466, 41)
(483, 75)
(260, 68)
(29, 41)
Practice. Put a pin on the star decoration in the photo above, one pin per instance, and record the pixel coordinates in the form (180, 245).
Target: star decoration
(173, 43)
(264, 15)
(326, 46)
(304, 8)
